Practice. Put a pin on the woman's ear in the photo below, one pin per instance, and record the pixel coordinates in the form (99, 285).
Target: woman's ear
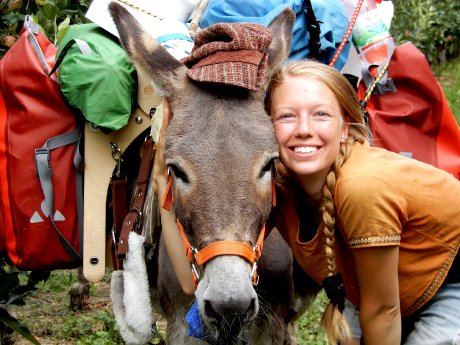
(345, 128)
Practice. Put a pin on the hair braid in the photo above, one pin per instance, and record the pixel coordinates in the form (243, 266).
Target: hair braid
(333, 321)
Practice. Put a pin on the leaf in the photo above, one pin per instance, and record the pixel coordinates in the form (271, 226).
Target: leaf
(62, 29)
(50, 10)
(18, 327)
(8, 282)
(62, 4)
(35, 277)
(12, 18)
(17, 295)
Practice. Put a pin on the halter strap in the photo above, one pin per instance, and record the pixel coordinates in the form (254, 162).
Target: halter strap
(198, 258)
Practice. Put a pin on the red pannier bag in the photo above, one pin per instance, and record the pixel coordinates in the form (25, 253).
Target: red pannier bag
(416, 119)
(39, 140)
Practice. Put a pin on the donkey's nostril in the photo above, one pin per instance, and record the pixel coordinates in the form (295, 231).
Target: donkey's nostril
(209, 310)
(252, 310)
(231, 308)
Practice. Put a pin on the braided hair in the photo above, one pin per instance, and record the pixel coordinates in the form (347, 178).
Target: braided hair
(332, 321)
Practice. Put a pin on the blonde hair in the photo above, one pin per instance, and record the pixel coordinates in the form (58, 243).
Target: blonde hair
(332, 321)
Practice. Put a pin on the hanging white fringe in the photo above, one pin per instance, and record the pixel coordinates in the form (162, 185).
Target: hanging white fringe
(130, 295)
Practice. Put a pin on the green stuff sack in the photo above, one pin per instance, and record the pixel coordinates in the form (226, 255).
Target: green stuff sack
(96, 75)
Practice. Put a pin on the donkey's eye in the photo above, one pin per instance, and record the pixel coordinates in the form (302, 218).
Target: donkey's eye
(178, 173)
(267, 169)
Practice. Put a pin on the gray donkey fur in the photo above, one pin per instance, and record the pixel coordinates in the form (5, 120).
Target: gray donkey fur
(220, 146)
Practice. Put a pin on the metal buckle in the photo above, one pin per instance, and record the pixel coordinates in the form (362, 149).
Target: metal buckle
(116, 155)
(138, 221)
(254, 270)
(114, 238)
(193, 266)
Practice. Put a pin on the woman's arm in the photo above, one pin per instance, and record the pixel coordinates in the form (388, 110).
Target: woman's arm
(379, 315)
(170, 231)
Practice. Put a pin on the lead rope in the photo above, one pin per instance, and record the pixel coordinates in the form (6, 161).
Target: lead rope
(344, 41)
(194, 24)
(373, 85)
(367, 96)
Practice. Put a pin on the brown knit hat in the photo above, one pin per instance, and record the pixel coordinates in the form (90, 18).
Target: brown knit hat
(230, 53)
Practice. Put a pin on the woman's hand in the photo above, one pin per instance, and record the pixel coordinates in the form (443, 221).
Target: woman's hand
(170, 231)
(159, 179)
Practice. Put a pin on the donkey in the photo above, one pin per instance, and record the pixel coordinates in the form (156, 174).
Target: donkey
(220, 148)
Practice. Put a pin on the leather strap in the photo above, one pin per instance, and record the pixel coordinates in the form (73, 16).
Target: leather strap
(314, 31)
(119, 211)
(133, 219)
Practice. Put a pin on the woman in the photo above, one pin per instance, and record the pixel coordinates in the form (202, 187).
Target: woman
(388, 224)
(391, 223)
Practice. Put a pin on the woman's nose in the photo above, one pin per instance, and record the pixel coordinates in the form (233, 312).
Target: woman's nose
(304, 125)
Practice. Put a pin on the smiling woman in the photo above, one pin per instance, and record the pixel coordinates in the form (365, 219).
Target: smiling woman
(348, 209)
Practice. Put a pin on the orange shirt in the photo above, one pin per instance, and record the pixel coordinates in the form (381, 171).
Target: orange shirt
(384, 199)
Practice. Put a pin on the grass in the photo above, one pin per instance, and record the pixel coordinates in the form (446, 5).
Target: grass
(48, 315)
(449, 78)
(309, 331)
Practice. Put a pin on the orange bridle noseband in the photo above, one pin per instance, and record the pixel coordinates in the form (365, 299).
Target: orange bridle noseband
(198, 258)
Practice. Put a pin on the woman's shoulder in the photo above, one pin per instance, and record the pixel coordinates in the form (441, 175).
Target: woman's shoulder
(369, 168)
(377, 166)
(374, 178)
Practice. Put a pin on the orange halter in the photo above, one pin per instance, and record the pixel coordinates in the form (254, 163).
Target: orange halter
(198, 258)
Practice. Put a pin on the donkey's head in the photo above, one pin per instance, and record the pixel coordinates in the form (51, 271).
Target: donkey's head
(220, 148)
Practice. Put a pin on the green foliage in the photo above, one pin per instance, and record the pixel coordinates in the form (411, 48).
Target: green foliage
(13, 292)
(80, 327)
(49, 316)
(432, 25)
(53, 16)
(309, 331)
(448, 75)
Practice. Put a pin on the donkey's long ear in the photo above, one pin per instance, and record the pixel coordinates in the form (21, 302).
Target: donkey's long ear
(166, 72)
(281, 28)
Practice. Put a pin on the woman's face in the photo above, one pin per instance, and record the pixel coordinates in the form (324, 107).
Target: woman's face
(309, 127)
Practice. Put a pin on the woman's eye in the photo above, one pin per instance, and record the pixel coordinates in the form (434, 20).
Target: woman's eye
(285, 116)
(322, 115)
